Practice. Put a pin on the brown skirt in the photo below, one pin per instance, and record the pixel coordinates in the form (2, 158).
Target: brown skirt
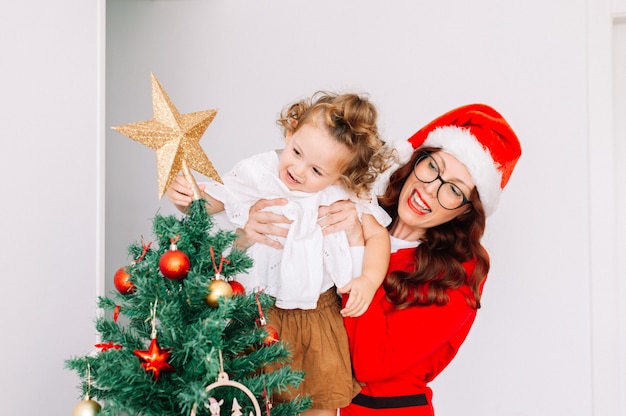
(319, 347)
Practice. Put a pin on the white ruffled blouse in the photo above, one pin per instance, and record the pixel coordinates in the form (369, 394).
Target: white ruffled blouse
(309, 263)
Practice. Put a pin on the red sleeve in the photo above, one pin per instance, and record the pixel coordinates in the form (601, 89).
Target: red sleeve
(385, 342)
(400, 340)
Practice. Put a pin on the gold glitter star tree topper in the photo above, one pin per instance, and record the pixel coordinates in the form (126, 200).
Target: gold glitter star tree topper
(176, 139)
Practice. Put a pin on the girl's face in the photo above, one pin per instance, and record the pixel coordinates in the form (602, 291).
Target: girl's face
(418, 206)
(312, 160)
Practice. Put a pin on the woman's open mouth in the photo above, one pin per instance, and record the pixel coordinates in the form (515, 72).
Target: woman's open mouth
(417, 204)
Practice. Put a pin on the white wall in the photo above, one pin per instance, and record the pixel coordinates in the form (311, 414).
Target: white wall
(51, 241)
(619, 80)
(542, 344)
(529, 352)
(606, 54)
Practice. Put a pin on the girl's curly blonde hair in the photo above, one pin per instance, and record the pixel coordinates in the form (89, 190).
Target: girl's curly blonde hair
(350, 119)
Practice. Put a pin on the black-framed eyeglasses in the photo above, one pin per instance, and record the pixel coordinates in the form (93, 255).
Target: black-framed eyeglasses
(449, 196)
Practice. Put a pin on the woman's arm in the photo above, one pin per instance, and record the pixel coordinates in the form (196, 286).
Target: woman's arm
(400, 340)
(342, 216)
(339, 216)
(262, 224)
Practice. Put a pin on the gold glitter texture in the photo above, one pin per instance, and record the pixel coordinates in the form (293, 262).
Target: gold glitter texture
(175, 137)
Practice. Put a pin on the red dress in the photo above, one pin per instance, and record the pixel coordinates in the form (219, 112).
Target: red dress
(397, 352)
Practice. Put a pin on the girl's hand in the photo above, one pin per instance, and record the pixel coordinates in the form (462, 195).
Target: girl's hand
(180, 193)
(342, 216)
(361, 292)
(262, 224)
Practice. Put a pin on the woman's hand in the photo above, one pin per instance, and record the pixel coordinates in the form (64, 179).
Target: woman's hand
(262, 224)
(342, 216)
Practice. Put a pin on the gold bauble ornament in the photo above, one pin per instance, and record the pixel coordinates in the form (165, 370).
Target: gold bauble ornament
(218, 288)
(86, 407)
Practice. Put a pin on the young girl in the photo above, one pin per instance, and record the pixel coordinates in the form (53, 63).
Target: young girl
(333, 152)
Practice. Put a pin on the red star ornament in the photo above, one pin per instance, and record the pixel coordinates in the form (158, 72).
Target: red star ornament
(155, 359)
(174, 136)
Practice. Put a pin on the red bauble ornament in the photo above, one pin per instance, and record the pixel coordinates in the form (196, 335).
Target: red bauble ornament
(122, 282)
(272, 335)
(174, 264)
(155, 359)
(237, 287)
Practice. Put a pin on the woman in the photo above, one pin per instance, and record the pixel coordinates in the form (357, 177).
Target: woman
(438, 201)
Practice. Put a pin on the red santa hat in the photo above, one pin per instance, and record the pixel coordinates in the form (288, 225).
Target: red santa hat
(480, 138)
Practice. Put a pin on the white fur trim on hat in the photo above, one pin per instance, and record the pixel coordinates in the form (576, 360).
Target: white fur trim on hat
(460, 143)
(402, 151)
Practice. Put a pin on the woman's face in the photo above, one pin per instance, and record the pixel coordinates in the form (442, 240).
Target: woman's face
(418, 206)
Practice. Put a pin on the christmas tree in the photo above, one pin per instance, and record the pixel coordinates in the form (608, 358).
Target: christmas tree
(185, 326)
(180, 336)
